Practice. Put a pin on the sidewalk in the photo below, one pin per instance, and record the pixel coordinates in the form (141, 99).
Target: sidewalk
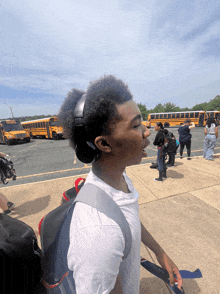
(182, 213)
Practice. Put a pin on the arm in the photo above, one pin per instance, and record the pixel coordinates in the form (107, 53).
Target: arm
(216, 132)
(192, 125)
(205, 131)
(2, 154)
(161, 256)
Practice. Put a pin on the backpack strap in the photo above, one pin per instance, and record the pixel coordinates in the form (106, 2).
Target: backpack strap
(105, 204)
(55, 229)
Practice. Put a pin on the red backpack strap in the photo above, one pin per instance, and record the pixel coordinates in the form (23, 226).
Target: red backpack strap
(77, 183)
(39, 225)
(64, 196)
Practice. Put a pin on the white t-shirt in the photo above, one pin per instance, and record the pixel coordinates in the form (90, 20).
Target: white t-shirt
(97, 244)
(211, 130)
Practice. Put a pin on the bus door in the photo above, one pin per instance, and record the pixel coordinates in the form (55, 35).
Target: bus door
(1, 135)
(48, 129)
(201, 119)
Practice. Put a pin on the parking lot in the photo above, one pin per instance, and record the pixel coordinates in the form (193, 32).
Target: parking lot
(46, 159)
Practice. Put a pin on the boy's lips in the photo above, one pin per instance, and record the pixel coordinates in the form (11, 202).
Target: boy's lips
(144, 153)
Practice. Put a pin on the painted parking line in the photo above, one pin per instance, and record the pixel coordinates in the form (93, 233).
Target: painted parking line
(54, 172)
(89, 166)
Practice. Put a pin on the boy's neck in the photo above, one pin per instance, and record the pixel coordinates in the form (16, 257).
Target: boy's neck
(113, 176)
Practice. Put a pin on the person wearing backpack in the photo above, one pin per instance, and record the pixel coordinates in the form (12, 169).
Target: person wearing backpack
(5, 204)
(161, 152)
(171, 148)
(110, 135)
(185, 137)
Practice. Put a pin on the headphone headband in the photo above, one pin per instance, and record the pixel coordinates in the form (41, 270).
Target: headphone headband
(78, 113)
(86, 151)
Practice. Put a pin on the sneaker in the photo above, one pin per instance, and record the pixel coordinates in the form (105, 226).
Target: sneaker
(181, 157)
(211, 159)
(8, 212)
(189, 158)
(10, 205)
(158, 180)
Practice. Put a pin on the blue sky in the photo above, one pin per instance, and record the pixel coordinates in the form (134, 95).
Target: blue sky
(166, 51)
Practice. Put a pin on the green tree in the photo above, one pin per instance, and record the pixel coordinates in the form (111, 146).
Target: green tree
(143, 110)
(170, 107)
(158, 108)
(214, 104)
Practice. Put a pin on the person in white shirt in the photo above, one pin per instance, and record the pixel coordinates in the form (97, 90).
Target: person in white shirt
(211, 132)
(112, 138)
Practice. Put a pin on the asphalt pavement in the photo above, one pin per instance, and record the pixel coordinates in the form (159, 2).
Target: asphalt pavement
(45, 159)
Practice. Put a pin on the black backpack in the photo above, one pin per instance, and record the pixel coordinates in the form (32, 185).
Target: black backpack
(169, 142)
(7, 170)
(20, 262)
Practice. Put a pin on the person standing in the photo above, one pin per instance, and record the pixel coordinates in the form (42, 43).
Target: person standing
(185, 137)
(211, 132)
(5, 204)
(111, 137)
(159, 142)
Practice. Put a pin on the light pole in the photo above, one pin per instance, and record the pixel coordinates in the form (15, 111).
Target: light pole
(10, 109)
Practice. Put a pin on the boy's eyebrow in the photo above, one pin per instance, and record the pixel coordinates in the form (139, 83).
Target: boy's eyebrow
(139, 116)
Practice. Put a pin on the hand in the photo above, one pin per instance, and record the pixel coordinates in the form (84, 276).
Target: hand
(172, 269)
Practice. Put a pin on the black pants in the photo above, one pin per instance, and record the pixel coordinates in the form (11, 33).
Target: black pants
(188, 147)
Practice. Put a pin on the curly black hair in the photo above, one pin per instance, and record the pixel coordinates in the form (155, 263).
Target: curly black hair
(160, 125)
(102, 96)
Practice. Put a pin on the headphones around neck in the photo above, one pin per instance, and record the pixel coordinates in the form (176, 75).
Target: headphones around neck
(86, 151)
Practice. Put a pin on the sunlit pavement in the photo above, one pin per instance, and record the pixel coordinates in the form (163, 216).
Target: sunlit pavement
(182, 213)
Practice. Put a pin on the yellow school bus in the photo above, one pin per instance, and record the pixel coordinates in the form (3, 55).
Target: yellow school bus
(215, 114)
(177, 118)
(46, 127)
(146, 123)
(12, 131)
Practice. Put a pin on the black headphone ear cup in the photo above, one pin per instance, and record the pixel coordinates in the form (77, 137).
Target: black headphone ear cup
(86, 154)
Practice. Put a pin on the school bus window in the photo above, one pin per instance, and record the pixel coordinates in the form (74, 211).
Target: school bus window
(173, 115)
(165, 115)
(157, 116)
(187, 115)
(161, 116)
(152, 116)
(196, 114)
(177, 115)
(182, 115)
(192, 114)
(169, 115)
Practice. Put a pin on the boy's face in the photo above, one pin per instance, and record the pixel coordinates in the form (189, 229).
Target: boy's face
(129, 136)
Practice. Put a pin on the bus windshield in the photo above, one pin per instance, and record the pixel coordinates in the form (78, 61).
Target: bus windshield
(12, 127)
(55, 123)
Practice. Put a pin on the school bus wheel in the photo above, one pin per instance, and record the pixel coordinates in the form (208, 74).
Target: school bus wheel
(7, 142)
(166, 125)
(54, 136)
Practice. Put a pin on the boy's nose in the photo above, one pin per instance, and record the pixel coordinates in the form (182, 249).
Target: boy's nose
(147, 133)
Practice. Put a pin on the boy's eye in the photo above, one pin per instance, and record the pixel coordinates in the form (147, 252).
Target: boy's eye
(136, 126)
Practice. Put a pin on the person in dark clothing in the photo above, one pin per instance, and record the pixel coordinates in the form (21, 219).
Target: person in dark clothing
(159, 142)
(171, 148)
(185, 137)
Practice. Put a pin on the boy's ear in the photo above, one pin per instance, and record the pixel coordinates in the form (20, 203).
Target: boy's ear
(102, 144)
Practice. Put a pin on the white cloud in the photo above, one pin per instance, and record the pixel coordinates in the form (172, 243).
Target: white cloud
(52, 46)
